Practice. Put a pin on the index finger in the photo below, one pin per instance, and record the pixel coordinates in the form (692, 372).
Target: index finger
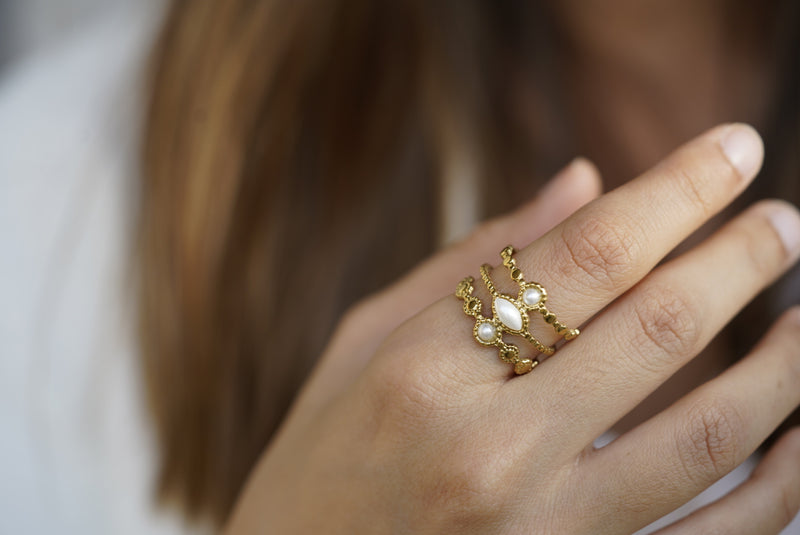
(606, 247)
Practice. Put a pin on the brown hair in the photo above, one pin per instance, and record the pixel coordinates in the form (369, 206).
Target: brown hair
(291, 164)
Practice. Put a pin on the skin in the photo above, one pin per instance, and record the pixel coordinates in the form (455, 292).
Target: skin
(647, 78)
(409, 426)
(655, 74)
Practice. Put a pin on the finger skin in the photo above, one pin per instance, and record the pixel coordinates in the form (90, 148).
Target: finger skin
(328, 437)
(595, 255)
(609, 245)
(675, 455)
(573, 187)
(367, 325)
(666, 320)
(762, 505)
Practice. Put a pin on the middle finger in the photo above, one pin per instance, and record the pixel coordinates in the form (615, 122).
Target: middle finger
(657, 327)
(601, 251)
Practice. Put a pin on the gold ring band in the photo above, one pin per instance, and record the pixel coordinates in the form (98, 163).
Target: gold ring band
(510, 314)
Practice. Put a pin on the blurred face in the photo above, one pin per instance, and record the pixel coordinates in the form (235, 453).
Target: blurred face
(643, 76)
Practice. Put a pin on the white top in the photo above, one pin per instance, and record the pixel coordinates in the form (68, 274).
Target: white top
(77, 454)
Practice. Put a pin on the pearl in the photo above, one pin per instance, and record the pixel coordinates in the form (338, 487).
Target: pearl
(486, 331)
(532, 296)
(508, 313)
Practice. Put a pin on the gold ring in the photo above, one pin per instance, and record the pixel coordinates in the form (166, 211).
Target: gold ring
(511, 314)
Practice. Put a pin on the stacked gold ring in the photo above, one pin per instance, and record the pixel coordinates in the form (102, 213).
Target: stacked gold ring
(511, 314)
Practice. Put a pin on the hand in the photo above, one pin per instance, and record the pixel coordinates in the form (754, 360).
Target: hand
(416, 428)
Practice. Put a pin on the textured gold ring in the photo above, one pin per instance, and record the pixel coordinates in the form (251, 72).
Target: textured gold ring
(511, 314)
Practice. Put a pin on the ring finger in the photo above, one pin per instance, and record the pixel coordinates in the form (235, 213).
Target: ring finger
(672, 457)
(662, 323)
(601, 251)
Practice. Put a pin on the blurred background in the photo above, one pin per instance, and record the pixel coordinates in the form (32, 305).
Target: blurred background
(26, 25)
(76, 453)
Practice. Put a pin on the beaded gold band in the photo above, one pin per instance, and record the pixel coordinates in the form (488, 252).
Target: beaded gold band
(516, 274)
(510, 314)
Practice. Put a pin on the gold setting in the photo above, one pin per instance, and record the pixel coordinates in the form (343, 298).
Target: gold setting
(508, 311)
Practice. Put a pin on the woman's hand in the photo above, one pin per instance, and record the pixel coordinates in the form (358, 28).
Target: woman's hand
(416, 428)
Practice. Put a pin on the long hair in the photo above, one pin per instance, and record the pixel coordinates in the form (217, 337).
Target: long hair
(294, 158)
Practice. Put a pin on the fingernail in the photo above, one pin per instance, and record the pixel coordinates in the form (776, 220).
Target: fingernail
(554, 184)
(572, 166)
(743, 147)
(578, 161)
(578, 167)
(786, 222)
(581, 165)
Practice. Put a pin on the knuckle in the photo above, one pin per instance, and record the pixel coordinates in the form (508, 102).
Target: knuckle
(710, 443)
(603, 251)
(469, 491)
(668, 321)
(406, 389)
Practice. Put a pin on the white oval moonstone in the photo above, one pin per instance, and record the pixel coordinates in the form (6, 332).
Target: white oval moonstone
(531, 296)
(509, 314)
(486, 331)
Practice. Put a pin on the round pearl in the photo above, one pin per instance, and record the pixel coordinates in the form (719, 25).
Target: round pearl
(486, 331)
(531, 296)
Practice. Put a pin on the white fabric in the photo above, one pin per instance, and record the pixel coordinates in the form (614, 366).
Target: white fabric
(76, 452)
